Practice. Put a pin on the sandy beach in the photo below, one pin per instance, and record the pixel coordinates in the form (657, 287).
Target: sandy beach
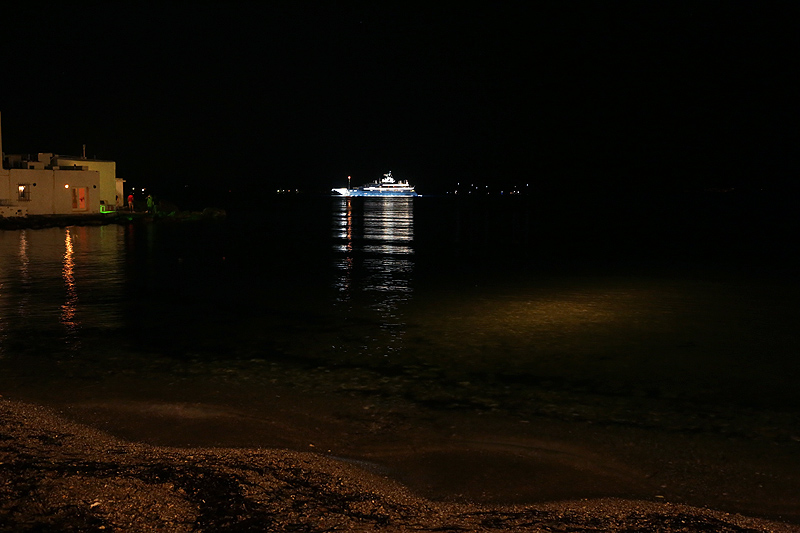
(57, 474)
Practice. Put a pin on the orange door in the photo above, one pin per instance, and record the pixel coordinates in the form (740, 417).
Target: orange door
(79, 198)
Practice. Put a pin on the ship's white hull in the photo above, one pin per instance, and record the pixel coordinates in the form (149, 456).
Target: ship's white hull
(376, 192)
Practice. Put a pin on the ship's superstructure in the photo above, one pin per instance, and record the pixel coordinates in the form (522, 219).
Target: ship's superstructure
(386, 186)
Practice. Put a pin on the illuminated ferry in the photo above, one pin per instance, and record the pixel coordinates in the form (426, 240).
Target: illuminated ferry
(387, 186)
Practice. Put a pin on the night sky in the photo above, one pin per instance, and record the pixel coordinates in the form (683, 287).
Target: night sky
(564, 96)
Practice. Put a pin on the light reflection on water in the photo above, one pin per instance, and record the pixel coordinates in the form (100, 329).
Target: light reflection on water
(373, 239)
(85, 291)
(24, 274)
(57, 282)
(68, 309)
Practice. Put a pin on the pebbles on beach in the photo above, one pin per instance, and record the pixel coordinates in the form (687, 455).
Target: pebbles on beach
(58, 475)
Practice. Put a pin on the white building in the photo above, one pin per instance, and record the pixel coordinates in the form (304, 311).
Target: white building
(50, 184)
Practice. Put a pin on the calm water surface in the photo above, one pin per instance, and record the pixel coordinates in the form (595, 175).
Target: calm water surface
(493, 305)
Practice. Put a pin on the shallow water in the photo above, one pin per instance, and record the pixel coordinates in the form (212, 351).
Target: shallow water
(487, 305)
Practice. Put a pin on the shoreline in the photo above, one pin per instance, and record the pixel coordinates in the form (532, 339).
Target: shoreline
(101, 219)
(57, 473)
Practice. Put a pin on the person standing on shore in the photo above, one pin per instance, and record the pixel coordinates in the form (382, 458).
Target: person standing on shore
(130, 203)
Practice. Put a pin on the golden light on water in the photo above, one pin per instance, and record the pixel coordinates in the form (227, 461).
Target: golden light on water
(24, 273)
(540, 327)
(536, 316)
(68, 309)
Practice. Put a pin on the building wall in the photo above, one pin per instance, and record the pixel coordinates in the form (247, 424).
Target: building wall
(5, 177)
(52, 192)
(120, 192)
(110, 189)
(8, 208)
(52, 184)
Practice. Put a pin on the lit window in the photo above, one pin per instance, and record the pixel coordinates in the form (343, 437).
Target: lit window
(24, 192)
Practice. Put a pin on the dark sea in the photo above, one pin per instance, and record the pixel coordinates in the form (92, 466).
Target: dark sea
(678, 313)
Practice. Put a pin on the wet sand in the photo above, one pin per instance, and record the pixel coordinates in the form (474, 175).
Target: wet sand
(455, 472)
